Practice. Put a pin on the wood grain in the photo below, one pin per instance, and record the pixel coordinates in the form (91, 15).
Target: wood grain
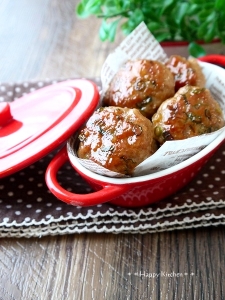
(44, 39)
(190, 265)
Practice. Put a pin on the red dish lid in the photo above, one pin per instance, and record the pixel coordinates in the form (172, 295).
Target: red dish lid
(37, 123)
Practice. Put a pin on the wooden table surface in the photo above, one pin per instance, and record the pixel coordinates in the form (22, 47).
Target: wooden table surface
(44, 39)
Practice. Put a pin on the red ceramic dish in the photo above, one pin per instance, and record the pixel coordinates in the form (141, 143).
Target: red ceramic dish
(129, 192)
(135, 191)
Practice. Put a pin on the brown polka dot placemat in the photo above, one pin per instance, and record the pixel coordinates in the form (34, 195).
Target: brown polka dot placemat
(28, 209)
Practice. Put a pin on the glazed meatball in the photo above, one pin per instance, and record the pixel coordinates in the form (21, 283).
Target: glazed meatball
(117, 138)
(185, 71)
(142, 84)
(191, 112)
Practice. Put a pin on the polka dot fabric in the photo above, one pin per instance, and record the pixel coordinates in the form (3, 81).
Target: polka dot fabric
(28, 209)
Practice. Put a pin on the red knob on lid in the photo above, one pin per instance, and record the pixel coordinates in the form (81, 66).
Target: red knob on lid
(5, 114)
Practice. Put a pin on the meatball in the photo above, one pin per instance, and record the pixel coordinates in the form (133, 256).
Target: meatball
(191, 112)
(142, 84)
(185, 71)
(117, 138)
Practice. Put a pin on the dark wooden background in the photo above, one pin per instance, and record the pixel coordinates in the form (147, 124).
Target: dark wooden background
(44, 39)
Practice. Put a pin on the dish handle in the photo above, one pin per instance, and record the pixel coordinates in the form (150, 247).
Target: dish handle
(107, 193)
(216, 59)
